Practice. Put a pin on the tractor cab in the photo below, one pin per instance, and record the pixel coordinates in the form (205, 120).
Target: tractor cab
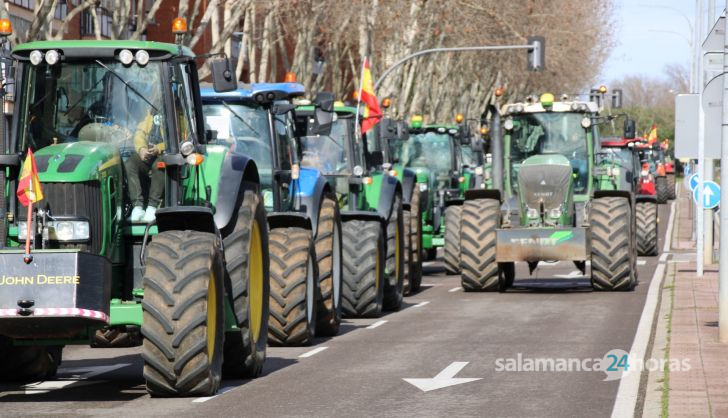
(617, 165)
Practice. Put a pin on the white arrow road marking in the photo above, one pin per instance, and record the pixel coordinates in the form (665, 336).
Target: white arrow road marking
(80, 376)
(421, 304)
(572, 275)
(455, 289)
(443, 379)
(312, 352)
(377, 324)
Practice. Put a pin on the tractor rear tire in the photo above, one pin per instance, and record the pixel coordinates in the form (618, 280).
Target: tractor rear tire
(661, 189)
(248, 287)
(24, 363)
(363, 259)
(183, 316)
(451, 250)
(416, 241)
(394, 279)
(116, 337)
(328, 260)
(671, 186)
(292, 320)
(406, 284)
(480, 218)
(646, 214)
(612, 244)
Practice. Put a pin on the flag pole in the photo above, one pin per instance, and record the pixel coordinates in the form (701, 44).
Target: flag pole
(28, 258)
(358, 99)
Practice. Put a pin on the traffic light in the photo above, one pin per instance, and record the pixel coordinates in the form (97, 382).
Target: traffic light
(617, 99)
(537, 53)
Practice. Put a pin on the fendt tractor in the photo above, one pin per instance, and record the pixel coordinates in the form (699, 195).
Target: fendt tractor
(618, 167)
(544, 205)
(190, 270)
(383, 138)
(303, 214)
(434, 152)
(372, 209)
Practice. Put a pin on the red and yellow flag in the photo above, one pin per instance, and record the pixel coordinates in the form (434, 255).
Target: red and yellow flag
(372, 112)
(29, 189)
(652, 137)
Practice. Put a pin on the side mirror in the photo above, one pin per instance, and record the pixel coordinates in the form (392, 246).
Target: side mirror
(376, 158)
(223, 78)
(628, 176)
(629, 128)
(323, 114)
(210, 136)
(282, 108)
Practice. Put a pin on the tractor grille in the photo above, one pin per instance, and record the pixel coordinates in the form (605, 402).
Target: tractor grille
(547, 183)
(77, 200)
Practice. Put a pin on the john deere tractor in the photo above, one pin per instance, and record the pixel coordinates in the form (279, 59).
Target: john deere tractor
(372, 209)
(101, 116)
(434, 152)
(544, 205)
(305, 235)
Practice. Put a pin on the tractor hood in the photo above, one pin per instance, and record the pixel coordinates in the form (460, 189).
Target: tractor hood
(76, 161)
(545, 179)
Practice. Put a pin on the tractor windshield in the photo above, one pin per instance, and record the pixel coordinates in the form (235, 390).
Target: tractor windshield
(468, 157)
(428, 150)
(91, 101)
(327, 153)
(551, 133)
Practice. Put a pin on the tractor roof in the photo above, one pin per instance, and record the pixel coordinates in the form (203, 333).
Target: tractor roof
(256, 92)
(536, 106)
(339, 107)
(87, 48)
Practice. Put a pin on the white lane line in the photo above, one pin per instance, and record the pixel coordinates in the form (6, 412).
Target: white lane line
(421, 304)
(668, 233)
(220, 391)
(455, 289)
(626, 400)
(312, 352)
(663, 257)
(377, 324)
(641, 262)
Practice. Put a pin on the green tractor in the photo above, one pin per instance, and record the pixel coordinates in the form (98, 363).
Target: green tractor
(434, 152)
(371, 204)
(303, 214)
(385, 138)
(544, 205)
(115, 124)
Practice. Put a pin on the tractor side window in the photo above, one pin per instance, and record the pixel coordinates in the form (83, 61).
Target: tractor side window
(284, 136)
(186, 123)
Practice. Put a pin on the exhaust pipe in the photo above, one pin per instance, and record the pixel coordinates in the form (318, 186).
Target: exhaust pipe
(496, 147)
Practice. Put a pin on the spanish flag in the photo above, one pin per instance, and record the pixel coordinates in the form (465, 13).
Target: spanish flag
(652, 137)
(372, 112)
(29, 189)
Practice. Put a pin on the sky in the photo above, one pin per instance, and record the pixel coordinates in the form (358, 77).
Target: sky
(651, 34)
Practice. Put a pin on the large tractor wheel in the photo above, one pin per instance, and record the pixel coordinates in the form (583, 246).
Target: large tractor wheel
(480, 272)
(394, 278)
(670, 186)
(328, 259)
(293, 276)
(247, 265)
(415, 272)
(612, 244)
(452, 239)
(661, 189)
(183, 316)
(363, 278)
(406, 286)
(25, 363)
(646, 214)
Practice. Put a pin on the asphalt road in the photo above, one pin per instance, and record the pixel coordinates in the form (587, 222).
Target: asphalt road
(361, 371)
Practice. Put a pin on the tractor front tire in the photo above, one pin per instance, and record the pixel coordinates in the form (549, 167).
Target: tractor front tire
(415, 272)
(183, 316)
(292, 320)
(670, 186)
(363, 277)
(451, 250)
(646, 214)
(612, 244)
(661, 189)
(248, 287)
(394, 278)
(480, 272)
(328, 260)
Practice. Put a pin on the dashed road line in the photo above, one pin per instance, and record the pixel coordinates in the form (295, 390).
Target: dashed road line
(312, 352)
(455, 289)
(377, 324)
(220, 391)
(421, 304)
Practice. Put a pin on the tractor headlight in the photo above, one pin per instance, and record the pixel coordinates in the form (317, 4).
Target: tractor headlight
(532, 213)
(36, 57)
(508, 124)
(52, 57)
(68, 230)
(423, 187)
(142, 57)
(555, 213)
(586, 123)
(126, 56)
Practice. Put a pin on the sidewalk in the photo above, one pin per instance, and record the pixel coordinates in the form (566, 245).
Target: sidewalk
(688, 328)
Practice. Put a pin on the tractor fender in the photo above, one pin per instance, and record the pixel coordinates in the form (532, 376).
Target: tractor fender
(646, 198)
(472, 194)
(177, 218)
(311, 191)
(390, 188)
(238, 174)
(409, 178)
(613, 193)
(362, 215)
(288, 220)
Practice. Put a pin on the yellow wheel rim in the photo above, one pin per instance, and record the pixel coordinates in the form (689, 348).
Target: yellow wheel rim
(255, 281)
(211, 316)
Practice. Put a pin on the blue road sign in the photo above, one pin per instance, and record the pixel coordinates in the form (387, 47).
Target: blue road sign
(686, 170)
(694, 180)
(711, 195)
